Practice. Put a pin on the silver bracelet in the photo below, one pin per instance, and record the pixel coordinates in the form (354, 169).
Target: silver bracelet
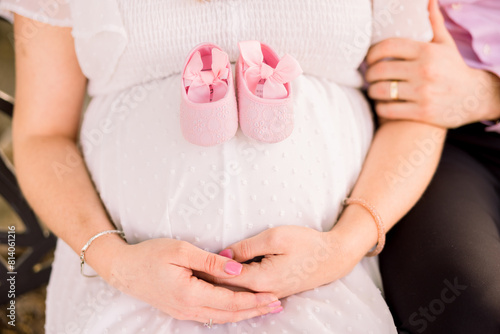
(84, 248)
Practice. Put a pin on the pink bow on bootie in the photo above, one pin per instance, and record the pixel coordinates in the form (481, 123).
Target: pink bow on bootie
(272, 79)
(206, 81)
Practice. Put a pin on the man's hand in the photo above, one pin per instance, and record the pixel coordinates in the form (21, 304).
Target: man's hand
(435, 85)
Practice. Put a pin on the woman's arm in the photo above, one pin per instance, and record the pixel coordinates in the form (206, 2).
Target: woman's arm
(52, 175)
(398, 168)
(50, 88)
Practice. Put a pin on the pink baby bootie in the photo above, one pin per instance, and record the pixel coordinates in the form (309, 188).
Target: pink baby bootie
(264, 94)
(208, 112)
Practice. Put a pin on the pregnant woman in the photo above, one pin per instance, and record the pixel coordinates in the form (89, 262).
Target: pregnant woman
(127, 167)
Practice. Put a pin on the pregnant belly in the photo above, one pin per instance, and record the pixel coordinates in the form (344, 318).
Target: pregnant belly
(156, 184)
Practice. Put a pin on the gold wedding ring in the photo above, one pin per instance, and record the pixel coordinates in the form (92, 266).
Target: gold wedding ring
(393, 91)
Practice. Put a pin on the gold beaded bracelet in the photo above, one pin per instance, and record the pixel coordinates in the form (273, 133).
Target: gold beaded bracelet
(378, 221)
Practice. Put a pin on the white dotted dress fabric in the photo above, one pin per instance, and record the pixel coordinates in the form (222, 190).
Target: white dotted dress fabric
(154, 184)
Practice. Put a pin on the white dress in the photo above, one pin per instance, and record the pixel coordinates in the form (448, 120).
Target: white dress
(155, 184)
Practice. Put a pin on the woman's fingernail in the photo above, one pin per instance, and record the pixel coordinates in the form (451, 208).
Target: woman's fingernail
(277, 310)
(227, 253)
(274, 304)
(233, 268)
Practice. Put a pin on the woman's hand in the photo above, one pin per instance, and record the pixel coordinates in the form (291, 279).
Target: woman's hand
(295, 259)
(435, 85)
(160, 272)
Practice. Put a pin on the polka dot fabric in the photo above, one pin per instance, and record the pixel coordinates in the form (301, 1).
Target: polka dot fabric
(154, 184)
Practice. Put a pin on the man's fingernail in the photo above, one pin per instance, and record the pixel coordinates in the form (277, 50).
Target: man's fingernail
(274, 304)
(227, 253)
(233, 268)
(277, 310)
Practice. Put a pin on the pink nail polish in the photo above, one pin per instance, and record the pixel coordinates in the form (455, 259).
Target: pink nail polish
(233, 268)
(277, 310)
(227, 253)
(274, 304)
